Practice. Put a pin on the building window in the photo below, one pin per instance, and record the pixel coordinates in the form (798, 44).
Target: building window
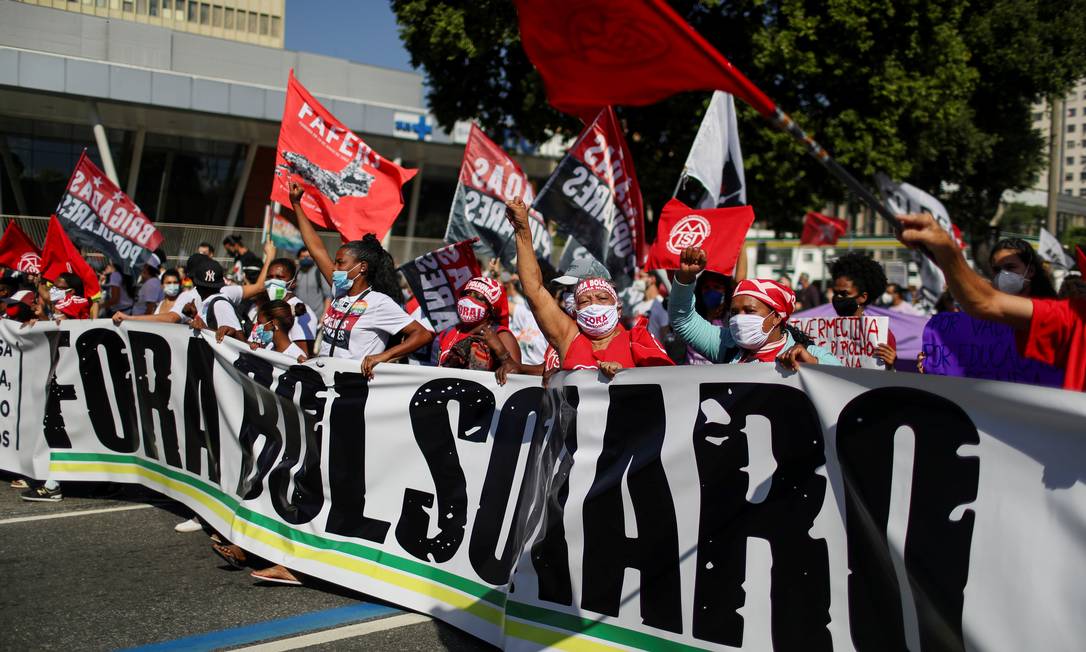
(194, 11)
(1071, 112)
(229, 22)
(216, 16)
(141, 7)
(277, 27)
(1037, 116)
(128, 6)
(1069, 176)
(1070, 129)
(152, 8)
(1070, 144)
(1082, 192)
(205, 13)
(265, 26)
(253, 26)
(1070, 160)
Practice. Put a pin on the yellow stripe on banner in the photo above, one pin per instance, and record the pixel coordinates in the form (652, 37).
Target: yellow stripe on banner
(553, 638)
(418, 585)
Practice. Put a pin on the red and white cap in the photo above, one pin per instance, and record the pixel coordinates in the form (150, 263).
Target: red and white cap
(778, 297)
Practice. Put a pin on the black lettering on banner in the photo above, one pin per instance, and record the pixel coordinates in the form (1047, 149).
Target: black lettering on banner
(498, 486)
(936, 548)
(56, 434)
(154, 401)
(550, 553)
(430, 424)
(308, 497)
(632, 441)
(347, 462)
(201, 407)
(99, 401)
(260, 418)
(800, 568)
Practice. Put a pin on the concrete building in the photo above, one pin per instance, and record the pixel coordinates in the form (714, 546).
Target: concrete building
(189, 117)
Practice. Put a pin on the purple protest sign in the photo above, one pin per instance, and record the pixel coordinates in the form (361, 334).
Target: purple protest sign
(956, 344)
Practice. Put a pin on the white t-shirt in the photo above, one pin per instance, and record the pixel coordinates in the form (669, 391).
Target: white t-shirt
(292, 351)
(225, 315)
(184, 299)
(533, 346)
(303, 330)
(360, 325)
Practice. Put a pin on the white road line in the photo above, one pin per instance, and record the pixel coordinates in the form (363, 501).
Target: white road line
(81, 512)
(337, 634)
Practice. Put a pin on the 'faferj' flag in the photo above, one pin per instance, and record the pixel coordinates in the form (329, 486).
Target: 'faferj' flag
(97, 215)
(594, 197)
(349, 187)
(595, 53)
(18, 251)
(488, 178)
(60, 256)
(820, 230)
(719, 231)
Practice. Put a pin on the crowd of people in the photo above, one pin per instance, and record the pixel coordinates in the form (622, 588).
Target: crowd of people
(349, 304)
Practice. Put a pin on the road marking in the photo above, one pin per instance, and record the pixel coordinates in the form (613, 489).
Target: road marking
(80, 512)
(255, 632)
(338, 634)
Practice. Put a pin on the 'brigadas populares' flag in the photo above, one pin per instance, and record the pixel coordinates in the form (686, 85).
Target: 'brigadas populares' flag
(488, 178)
(97, 215)
(18, 251)
(60, 256)
(719, 231)
(596, 53)
(349, 187)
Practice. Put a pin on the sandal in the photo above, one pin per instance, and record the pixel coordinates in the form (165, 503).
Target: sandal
(280, 574)
(230, 553)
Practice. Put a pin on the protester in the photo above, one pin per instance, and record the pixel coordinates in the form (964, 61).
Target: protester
(533, 346)
(946, 303)
(480, 340)
(118, 298)
(1018, 269)
(595, 339)
(808, 296)
(1052, 331)
(66, 298)
(150, 292)
(20, 305)
(243, 258)
(278, 286)
(651, 307)
(858, 280)
(712, 299)
(171, 289)
(894, 299)
(1073, 286)
(757, 326)
(273, 329)
(310, 285)
(785, 280)
(206, 249)
(364, 315)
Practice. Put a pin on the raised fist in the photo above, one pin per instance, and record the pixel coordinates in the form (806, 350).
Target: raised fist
(296, 191)
(692, 261)
(517, 213)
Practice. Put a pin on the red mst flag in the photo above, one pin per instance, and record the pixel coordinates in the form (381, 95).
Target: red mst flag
(819, 229)
(18, 251)
(349, 187)
(1080, 258)
(719, 231)
(594, 53)
(59, 256)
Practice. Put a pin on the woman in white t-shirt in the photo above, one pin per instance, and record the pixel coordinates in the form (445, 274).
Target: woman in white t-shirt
(363, 315)
(272, 329)
(279, 286)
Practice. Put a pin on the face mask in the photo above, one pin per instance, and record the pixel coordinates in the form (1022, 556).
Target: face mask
(712, 298)
(887, 298)
(638, 286)
(276, 288)
(1010, 282)
(340, 281)
(569, 304)
(747, 331)
(56, 294)
(845, 306)
(470, 311)
(306, 263)
(597, 319)
(171, 289)
(265, 335)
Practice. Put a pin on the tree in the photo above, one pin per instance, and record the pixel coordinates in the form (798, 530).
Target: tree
(937, 92)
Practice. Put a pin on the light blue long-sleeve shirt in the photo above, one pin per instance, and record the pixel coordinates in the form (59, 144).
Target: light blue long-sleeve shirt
(714, 342)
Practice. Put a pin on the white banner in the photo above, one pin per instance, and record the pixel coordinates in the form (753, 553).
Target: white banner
(852, 340)
(1051, 250)
(904, 198)
(711, 507)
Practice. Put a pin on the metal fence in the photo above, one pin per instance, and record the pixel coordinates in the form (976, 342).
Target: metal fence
(181, 240)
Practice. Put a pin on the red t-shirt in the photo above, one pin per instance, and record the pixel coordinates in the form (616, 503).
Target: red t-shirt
(474, 352)
(630, 348)
(1057, 336)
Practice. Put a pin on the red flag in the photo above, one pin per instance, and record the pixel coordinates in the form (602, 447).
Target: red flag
(594, 53)
(60, 256)
(719, 231)
(349, 187)
(1080, 258)
(819, 229)
(18, 251)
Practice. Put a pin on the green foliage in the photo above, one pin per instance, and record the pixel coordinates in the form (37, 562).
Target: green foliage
(936, 92)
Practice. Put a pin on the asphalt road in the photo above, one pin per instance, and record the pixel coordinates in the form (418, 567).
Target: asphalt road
(104, 570)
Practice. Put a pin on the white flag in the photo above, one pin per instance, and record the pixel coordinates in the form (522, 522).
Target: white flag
(1052, 251)
(905, 198)
(715, 161)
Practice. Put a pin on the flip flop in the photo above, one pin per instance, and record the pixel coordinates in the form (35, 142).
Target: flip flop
(270, 578)
(228, 555)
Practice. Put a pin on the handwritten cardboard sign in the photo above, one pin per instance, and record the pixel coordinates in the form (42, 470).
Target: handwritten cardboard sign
(854, 340)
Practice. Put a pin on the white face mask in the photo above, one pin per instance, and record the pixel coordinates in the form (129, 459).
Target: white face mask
(639, 286)
(887, 298)
(1010, 282)
(597, 319)
(748, 331)
(56, 294)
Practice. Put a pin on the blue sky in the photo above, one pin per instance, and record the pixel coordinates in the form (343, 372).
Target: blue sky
(360, 30)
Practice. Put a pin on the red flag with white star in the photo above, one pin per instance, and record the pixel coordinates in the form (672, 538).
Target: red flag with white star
(59, 256)
(95, 214)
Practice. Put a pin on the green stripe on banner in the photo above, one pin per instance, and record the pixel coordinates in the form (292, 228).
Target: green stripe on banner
(603, 631)
(481, 591)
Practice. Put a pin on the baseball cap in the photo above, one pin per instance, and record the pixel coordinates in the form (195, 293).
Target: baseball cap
(22, 296)
(583, 268)
(205, 272)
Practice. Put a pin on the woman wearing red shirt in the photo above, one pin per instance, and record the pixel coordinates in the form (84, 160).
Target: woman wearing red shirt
(1052, 331)
(594, 338)
(482, 339)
